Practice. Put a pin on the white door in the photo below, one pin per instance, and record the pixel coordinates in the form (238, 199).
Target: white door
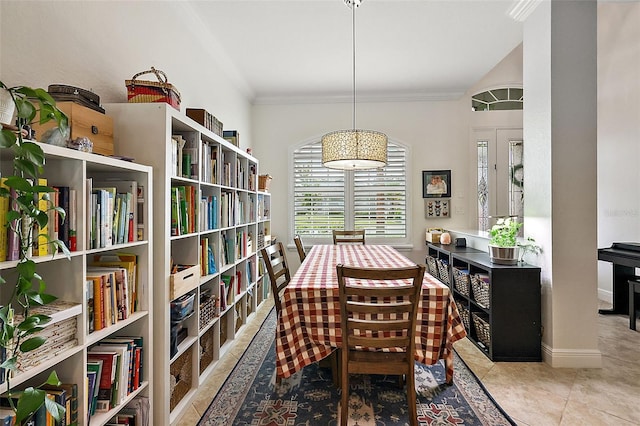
(499, 176)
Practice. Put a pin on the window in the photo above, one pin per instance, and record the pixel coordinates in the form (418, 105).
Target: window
(509, 98)
(326, 199)
(500, 175)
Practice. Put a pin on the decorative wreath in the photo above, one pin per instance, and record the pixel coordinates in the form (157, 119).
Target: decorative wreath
(514, 179)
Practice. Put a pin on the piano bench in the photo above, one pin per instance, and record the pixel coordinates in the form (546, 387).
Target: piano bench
(634, 288)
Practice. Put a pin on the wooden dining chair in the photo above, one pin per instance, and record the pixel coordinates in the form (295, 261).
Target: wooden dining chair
(388, 336)
(348, 237)
(300, 247)
(275, 260)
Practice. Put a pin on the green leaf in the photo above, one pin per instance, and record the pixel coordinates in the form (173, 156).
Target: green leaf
(53, 379)
(7, 138)
(10, 363)
(19, 183)
(30, 400)
(42, 218)
(26, 269)
(32, 343)
(33, 321)
(55, 409)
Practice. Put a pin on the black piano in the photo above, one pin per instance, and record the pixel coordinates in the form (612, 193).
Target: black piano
(625, 258)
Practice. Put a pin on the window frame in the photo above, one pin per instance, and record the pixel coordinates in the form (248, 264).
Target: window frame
(397, 242)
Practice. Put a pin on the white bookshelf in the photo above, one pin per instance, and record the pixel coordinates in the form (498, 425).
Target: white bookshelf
(144, 132)
(65, 278)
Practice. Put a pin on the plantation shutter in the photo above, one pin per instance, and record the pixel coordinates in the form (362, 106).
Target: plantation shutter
(380, 197)
(318, 196)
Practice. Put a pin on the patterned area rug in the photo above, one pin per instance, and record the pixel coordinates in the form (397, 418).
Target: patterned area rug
(250, 395)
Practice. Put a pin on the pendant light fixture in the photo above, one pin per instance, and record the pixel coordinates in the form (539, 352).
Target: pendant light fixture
(354, 149)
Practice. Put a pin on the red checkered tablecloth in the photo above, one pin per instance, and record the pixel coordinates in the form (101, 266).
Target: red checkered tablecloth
(309, 323)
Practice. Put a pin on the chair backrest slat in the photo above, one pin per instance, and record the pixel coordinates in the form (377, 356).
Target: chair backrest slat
(348, 237)
(300, 247)
(275, 261)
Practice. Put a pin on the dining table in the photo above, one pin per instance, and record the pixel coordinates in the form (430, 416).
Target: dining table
(308, 327)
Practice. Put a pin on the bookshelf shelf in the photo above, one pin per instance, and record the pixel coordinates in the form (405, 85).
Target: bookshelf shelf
(224, 180)
(70, 170)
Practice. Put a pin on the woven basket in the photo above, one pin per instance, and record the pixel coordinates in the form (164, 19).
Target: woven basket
(432, 266)
(480, 291)
(483, 331)
(464, 315)
(207, 311)
(263, 182)
(141, 91)
(461, 281)
(181, 378)
(206, 350)
(443, 271)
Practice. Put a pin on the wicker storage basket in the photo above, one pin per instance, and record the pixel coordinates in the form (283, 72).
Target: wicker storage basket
(461, 280)
(480, 289)
(207, 311)
(464, 315)
(141, 91)
(181, 378)
(483, 331)
(443, 271)
(206, 350)
(432, 267)
(263, 182)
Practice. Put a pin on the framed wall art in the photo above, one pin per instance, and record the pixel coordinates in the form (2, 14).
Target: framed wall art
(436, 183)
(437, 209)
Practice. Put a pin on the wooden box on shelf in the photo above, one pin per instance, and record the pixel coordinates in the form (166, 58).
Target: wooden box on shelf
(183, 281)
(85, 122)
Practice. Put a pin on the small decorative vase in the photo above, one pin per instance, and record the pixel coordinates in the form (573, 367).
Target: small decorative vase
(7, 107)
(504, 255)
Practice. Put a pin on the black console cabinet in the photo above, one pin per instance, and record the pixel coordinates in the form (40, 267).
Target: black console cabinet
(506, 323)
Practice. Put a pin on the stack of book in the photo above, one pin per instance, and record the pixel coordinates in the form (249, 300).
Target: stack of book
(114, 370)
(113, 212)
(65, 394)
(59, 333)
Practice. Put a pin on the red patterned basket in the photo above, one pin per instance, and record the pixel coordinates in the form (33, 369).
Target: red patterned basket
(141, 91)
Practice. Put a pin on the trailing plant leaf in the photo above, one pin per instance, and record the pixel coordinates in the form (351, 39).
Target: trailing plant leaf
(22, 219)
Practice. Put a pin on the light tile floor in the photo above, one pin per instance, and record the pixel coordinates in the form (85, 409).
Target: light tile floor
(532, 393)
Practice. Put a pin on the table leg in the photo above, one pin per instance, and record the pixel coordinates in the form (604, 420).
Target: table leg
(621, 275)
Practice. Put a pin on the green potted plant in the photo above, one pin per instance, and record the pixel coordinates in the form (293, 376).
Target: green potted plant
(503, 245)
(24, 218)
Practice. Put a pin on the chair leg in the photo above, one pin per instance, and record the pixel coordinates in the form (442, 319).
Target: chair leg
(632, 304)
(411, 398)
(344, 401)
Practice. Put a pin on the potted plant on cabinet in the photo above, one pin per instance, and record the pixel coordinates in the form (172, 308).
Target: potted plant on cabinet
(23, 220)
(503, 245)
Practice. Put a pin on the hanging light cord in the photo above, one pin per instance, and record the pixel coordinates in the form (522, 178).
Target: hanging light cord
(353, 41)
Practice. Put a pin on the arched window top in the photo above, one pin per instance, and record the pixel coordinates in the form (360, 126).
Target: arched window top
(500, 99)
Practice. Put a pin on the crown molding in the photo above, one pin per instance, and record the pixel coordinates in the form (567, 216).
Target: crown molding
(521, 9)
(333, 99)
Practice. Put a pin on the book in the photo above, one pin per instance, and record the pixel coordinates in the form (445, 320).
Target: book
(129, 263)
(73, 225)
(94, 366)
(106, 382)
(71, 401)
(90, 305)
(4, 231)
(59, 395)
(121, 381)
(63, 220)
(13, 239)
(98, 305)
(41, 233)
(7, 417)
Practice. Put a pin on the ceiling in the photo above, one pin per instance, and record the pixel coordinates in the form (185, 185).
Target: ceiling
(279, 50)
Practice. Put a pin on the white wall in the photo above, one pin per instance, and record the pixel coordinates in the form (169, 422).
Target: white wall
(618, 130)
(93, 45)
(436, 132)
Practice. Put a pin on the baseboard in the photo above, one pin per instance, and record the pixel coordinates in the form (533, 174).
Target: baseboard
(571, 358)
